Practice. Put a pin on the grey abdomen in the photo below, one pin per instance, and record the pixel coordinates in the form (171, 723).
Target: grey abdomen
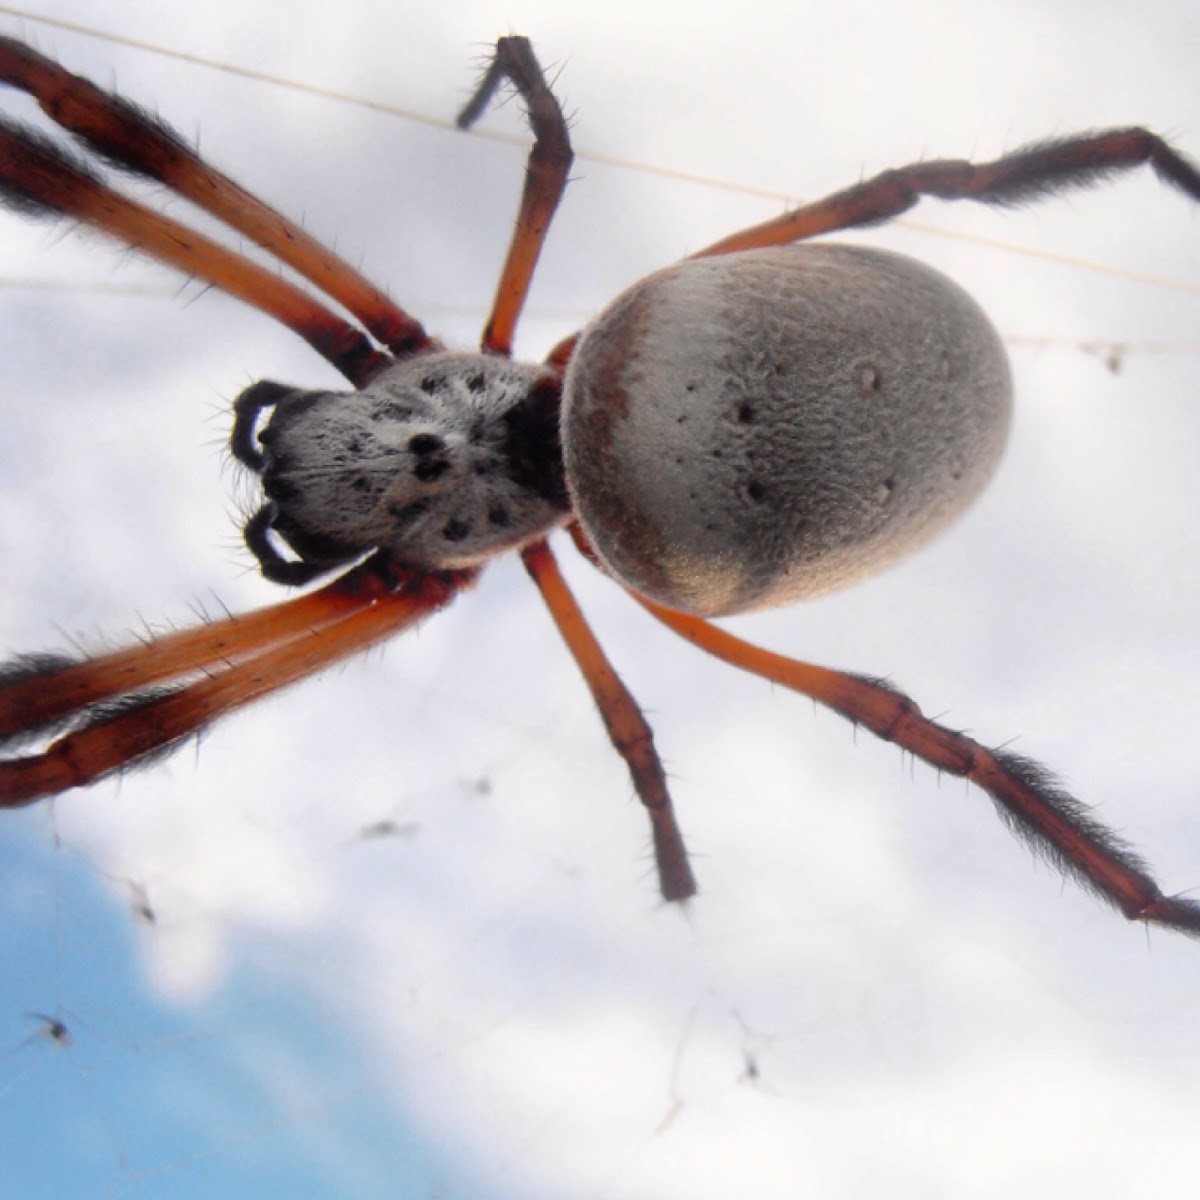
(755, 429)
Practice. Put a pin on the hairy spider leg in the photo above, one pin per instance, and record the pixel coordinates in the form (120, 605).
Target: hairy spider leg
(549, 161)
(121, 714)
(1028, 798)
(1030, 173)
(39, 691)
(132, 139)
(628, 729)
(37, 176)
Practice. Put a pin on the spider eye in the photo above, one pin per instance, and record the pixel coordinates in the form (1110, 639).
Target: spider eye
(423, 444)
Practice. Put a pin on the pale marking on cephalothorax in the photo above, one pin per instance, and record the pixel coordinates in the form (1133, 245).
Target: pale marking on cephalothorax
(443, 460)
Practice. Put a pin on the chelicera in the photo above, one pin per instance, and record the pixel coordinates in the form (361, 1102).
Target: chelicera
(763, 422)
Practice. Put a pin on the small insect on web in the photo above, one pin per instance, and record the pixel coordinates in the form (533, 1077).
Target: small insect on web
(766, 421)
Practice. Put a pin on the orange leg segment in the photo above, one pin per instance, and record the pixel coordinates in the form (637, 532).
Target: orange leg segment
(545, 179)
(124, 719)
(41, 697)
(1026, 796)
(1029, 174)
(126, 135)
(40, 179)
(627, 727)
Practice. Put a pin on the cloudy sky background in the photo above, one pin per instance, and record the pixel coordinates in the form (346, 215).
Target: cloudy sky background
(877, 987)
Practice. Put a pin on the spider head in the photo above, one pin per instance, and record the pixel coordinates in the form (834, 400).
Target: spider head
(442, 461)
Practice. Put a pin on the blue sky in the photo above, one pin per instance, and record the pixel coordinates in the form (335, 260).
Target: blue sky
(146, 1099)
(495, 1003)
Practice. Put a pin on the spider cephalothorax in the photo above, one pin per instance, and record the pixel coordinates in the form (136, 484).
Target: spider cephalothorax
(741, 430)
(442, 460)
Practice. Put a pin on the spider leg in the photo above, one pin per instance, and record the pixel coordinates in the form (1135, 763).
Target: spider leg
(38, 691)
(118, 713)
(1030, 801)
(627, 727)
(545, 179)
(131, 139)
(38, 177)
(1031, 173)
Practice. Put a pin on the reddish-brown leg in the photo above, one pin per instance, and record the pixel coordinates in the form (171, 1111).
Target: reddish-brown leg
(37, 692)
(627, 727)
(1028, 174)
(545, 179)
(131, 138)
(1055, 824)
(123, 718)
(38, 178)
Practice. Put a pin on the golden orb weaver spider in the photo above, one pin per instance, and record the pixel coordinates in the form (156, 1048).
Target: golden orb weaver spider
(441, 460)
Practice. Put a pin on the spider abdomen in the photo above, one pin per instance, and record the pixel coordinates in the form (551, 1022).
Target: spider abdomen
(758, 428)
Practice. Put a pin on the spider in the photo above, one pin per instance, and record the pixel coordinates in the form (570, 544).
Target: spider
(762, 422)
